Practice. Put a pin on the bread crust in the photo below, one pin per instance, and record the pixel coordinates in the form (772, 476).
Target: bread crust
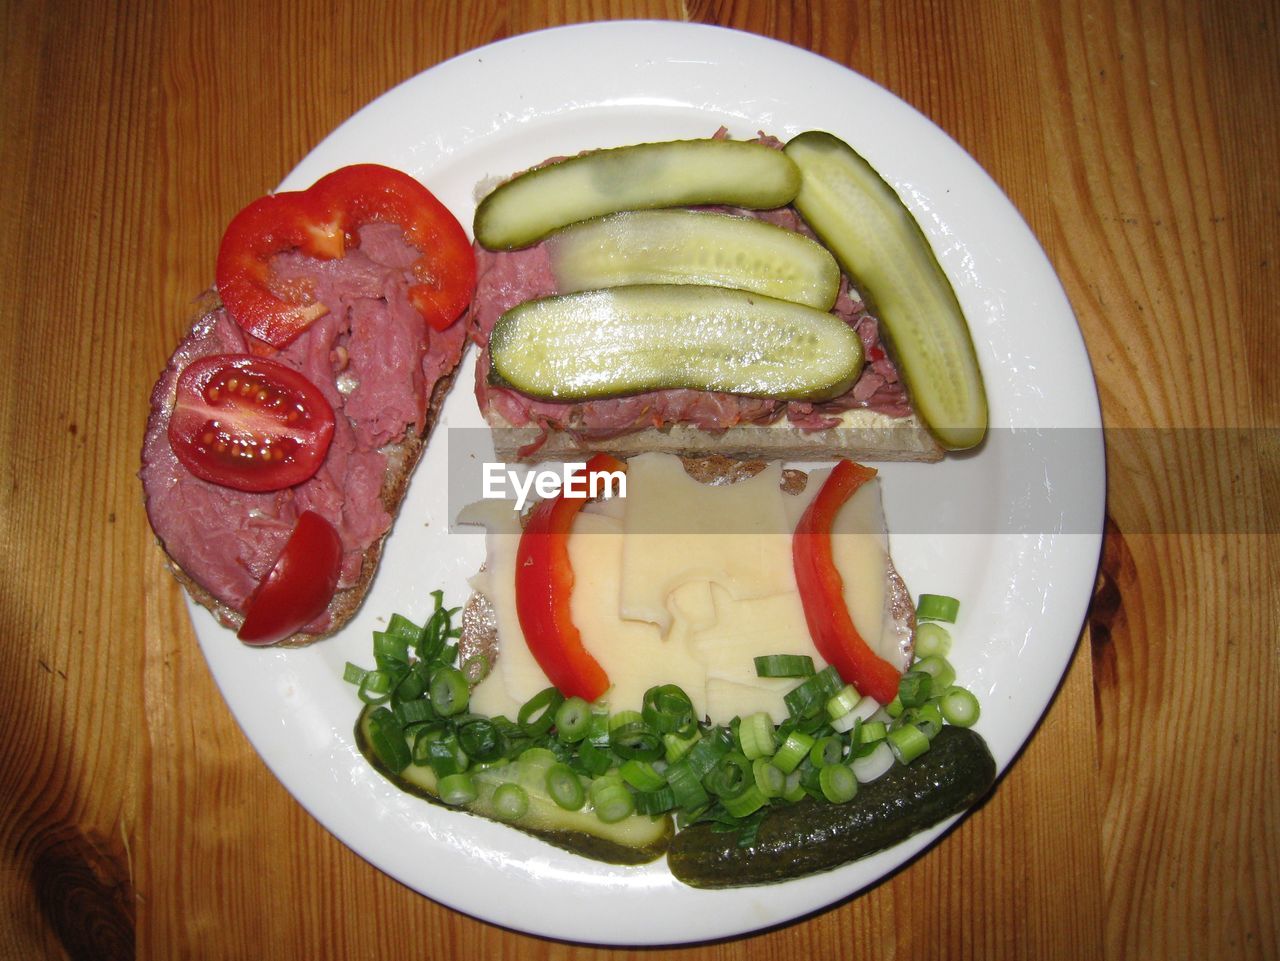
(865, 435)
(402, 459)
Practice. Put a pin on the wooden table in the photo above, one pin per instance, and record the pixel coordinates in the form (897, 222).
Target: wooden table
(1139, 141)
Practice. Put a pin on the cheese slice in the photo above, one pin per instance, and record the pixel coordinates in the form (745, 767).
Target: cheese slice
(634, 654)
(744, 630)
(679, 530)
(695, 595)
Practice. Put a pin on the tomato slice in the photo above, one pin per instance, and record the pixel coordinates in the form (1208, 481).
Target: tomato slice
(300, 585)
(544, 584)
(822, 589)
(322, 221)
(249, 423)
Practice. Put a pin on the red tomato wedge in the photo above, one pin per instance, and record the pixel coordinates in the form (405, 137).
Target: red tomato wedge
(322, 222)
(300, 585)
(544, 584)
(249, 423)
(822, 589)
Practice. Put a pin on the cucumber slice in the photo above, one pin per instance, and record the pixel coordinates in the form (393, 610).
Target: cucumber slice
(625, 340)
(693, 247)
(884, 251)
(637, 839)
(676, 173)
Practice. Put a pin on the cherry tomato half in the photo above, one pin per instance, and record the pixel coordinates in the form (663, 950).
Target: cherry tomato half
(249, 423)
(321, 221)
(300, 585)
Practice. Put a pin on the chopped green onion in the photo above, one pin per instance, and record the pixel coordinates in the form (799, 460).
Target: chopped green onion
(810, 696)
(914, 688)
(641, 775)
(784, 665)
(611, 799)
(414, 712)
(703, 756)
(794, 749)
(895, 707)
(445, 755)
(768, 778)
(874, 764)
(686, 786)
(476, 668)
(826, 750)
(938, 668)
(746, 803)
(354, 673)
(375, 688)
(794, 790)
(755, 736)
(654, 802)
(843, 701)
(387, 739)
(594, 760)
(565, 787)
(458, 789)
(838, 783)
(573, 720)
(932, 639)
(539, 712)
(907, 742)
(872, 731)
(448, 691)
(677, 746)
(598, 733)
(480, 739)
(730, 777)
(510, 801)
(959, 707)
(631, 737)
(668, 710)
(390, 650)
(422, 739)
(937, 607)
(927, 718)
(401, 626)
(412, 685)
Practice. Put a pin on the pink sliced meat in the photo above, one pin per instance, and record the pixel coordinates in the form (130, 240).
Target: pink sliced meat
(376, 362)
(506, 279)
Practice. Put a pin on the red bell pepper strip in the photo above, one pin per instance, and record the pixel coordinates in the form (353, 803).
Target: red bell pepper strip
(822, 589)
(321, 222)
(544, 585)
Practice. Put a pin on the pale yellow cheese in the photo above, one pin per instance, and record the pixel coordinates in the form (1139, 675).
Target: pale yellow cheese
(742, 631)
(678, 530)
(704, 586)
(634, 654)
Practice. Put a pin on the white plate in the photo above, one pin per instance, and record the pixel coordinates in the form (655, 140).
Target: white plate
(1023, 562)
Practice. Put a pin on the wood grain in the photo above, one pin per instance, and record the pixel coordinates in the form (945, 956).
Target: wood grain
(1140, 141)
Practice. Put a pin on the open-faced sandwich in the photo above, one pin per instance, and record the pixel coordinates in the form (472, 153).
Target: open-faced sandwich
(284, 429)
(726, 650)
(672, 297)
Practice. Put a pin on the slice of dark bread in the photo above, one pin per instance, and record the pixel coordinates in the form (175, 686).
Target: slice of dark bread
(402, 459)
